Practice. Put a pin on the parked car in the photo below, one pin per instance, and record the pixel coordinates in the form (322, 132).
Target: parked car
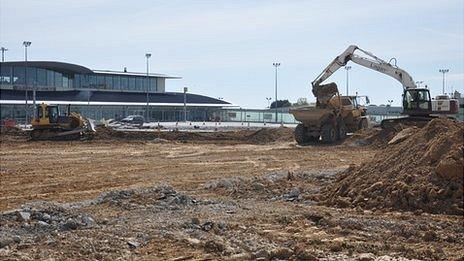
(134, 119)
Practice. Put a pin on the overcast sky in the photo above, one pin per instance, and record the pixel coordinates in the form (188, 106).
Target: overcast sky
(226, 48)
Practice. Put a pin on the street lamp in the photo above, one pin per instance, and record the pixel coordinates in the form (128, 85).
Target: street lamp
(276, 64)
(443, 71)
(268, 101)
(185, 103)
(3, 49)
(148, 55)
(389, 106)
(26, 44)
(347, 68)
(419, 83)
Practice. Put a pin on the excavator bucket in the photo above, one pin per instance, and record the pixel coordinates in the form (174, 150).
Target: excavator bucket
(325, 92)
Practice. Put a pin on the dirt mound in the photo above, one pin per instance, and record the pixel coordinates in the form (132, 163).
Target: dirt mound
(379, 137)
(266, 135)
(420, 171)
(244, 136)
(12, 133)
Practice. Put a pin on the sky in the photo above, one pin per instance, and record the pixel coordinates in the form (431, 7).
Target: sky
(227, 48)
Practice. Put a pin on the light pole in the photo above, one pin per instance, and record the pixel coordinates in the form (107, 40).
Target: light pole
(148, 55)
(26, 44)
(268, 101)
(389, 106)
(276, 64)
(347, 68)
(3, 53)
(443, 71)
(185, 103)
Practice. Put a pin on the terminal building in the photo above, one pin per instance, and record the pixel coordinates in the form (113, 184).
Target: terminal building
(97, 94)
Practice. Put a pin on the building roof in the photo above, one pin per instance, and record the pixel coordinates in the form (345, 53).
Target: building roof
(110, 98)
(56, 66)
(159, 75)
(70, 68)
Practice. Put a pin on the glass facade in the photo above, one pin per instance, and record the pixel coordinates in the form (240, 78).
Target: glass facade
(98, 112)
(45, 78)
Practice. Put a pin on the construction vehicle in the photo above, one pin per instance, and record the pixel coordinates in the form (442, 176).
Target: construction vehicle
(417, 103)
(49, 124)
(332, 117)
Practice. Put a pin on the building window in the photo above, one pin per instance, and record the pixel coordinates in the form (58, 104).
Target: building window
(31, 76)
(93, 81)
(58, 79)
(109, 81)
(18, 74)
(124, 83)
(153, 84)
(139, 83)
(50, 78)
(116, 82)
(131, 83)
(41, 77)
(77, 81)
(100, 81)
(84, 78)
(5, 74)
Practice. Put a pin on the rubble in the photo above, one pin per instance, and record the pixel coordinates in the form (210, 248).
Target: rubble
(422, 171)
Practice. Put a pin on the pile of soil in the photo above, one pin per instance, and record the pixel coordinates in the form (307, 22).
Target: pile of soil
(419, 172)
(266, 135)
(379, 137)
(12, 133)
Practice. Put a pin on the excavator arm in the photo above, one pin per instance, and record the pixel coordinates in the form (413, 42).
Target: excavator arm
(369, 61)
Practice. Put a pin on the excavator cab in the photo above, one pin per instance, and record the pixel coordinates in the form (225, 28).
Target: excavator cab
(417, 102)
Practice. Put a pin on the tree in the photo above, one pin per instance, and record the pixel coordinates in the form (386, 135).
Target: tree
(280, 104)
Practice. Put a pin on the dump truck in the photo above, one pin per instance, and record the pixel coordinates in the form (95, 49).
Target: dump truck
(49, 124)
(333, 116)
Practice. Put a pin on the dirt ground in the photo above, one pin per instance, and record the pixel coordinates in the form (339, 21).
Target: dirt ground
(157, 199)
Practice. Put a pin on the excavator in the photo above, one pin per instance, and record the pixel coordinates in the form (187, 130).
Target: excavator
(417, 103)
(334, 115)
(49, 124)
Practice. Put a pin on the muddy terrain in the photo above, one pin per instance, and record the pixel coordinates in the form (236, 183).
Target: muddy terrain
(237, 196)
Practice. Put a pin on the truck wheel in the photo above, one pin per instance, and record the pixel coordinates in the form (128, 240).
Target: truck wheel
(301, 135)
(329, 134)
(341, 133)
(363, 124)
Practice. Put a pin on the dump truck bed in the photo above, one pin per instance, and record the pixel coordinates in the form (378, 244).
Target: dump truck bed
(311, 115)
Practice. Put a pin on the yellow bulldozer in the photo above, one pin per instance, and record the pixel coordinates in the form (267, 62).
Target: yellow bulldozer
(49, 124)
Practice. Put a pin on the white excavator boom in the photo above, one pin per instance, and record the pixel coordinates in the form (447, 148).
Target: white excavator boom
(369, 61)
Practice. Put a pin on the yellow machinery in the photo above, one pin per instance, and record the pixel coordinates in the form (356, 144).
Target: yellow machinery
(49, 124)
(332, 117)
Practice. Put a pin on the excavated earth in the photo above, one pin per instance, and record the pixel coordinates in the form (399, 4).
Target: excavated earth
(421, 169)
(244, 195)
